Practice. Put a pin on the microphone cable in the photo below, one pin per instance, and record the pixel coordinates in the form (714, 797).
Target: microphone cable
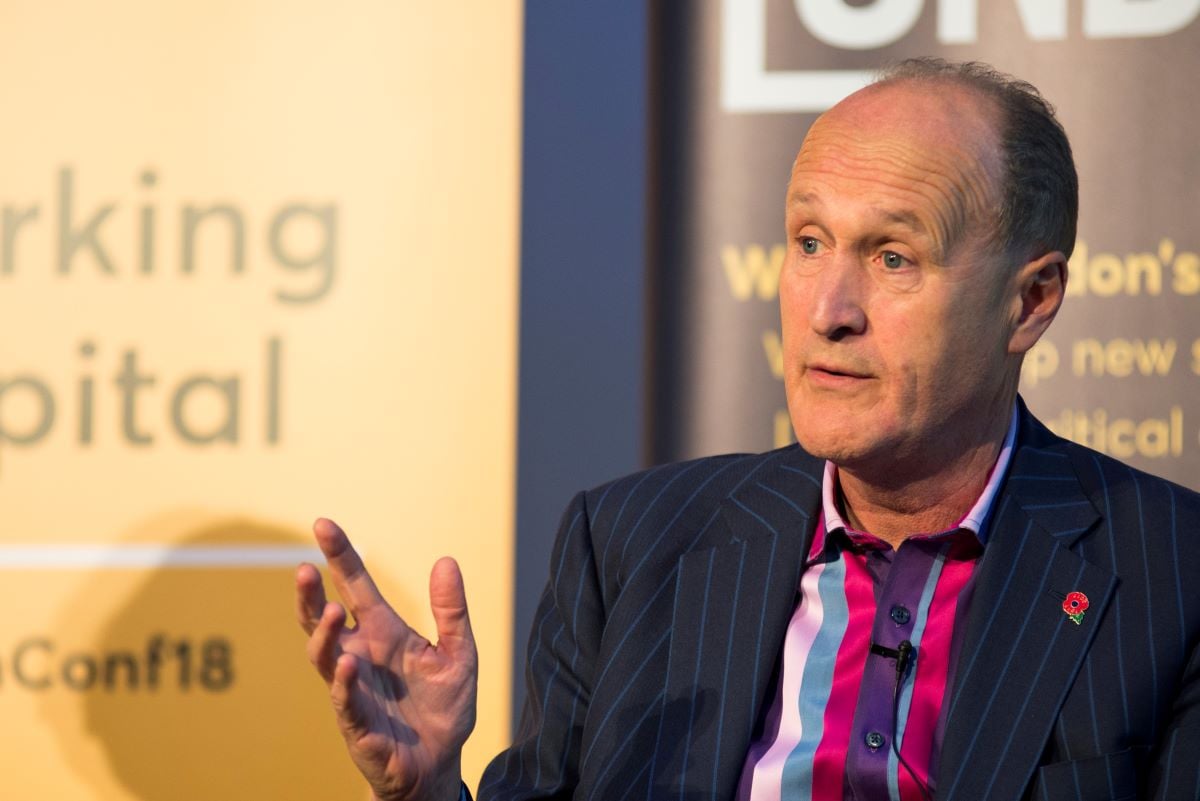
(904, 654)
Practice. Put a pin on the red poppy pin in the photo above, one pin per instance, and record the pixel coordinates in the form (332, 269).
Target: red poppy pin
(1075, 604)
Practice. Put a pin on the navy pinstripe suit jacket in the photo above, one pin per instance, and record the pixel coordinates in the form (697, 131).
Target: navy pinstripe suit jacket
(657, 637)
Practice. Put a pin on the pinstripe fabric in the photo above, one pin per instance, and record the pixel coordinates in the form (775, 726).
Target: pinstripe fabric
(671, 590)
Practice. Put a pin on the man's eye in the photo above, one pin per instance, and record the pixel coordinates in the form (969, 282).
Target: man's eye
(893, 260)
(809, 245)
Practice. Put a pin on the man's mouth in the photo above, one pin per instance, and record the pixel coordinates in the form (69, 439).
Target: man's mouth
(836, 371)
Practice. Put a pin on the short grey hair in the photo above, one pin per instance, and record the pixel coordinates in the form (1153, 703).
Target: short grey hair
(1039, 204)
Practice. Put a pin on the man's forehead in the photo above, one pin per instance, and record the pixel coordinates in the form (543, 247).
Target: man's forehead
(922, 156)
(809, 199)
(807, 196)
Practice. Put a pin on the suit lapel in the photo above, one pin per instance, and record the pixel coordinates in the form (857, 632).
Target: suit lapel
(1020, 650)
(734, 597)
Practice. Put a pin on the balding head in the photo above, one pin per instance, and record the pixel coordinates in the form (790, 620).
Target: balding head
(1039, 189)
(936, 151)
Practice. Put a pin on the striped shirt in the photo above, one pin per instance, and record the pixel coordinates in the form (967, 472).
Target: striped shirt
(827, 735)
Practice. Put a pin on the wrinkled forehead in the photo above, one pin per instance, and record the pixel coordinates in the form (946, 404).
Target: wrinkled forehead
(929, 151)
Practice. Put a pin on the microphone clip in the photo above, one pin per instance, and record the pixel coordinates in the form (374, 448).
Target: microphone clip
(903, 654)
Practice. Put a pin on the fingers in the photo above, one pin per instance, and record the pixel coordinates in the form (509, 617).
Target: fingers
(310, 597)
(324, 646)
(350, 577)
(448, 600)
(347, 698)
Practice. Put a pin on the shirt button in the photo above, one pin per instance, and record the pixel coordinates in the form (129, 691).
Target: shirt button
(900, 615)
(874, 740)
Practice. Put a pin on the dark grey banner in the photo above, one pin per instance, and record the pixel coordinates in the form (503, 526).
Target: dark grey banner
(740, 81)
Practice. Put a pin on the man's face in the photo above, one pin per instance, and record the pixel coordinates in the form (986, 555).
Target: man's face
(896, 311)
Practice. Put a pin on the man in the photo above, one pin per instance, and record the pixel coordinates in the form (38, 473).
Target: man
(929, 596)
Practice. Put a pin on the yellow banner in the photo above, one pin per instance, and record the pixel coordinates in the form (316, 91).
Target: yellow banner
(257, 264)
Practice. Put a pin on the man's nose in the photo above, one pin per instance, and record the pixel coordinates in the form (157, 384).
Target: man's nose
(836, 309)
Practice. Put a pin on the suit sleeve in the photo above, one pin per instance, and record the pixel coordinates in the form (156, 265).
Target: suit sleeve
(1174, 767)
(1174, 773)
(543, 762)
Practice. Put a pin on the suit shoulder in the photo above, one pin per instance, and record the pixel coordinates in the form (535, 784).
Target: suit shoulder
(708, 478)
(664, 507)
(1114, 483)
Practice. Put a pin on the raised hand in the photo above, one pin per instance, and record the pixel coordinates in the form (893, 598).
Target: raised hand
(404, 705)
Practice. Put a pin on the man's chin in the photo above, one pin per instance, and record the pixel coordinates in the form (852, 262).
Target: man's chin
(844, 445)
(835, 449)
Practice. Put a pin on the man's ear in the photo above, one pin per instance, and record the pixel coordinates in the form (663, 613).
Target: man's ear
(1042, 284)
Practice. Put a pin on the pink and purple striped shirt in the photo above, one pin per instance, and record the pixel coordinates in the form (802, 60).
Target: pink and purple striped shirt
(827, 734)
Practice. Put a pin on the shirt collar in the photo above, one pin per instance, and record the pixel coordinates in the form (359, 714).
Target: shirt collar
(975, 520)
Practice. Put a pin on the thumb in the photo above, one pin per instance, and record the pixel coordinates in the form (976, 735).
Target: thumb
(448, 600)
